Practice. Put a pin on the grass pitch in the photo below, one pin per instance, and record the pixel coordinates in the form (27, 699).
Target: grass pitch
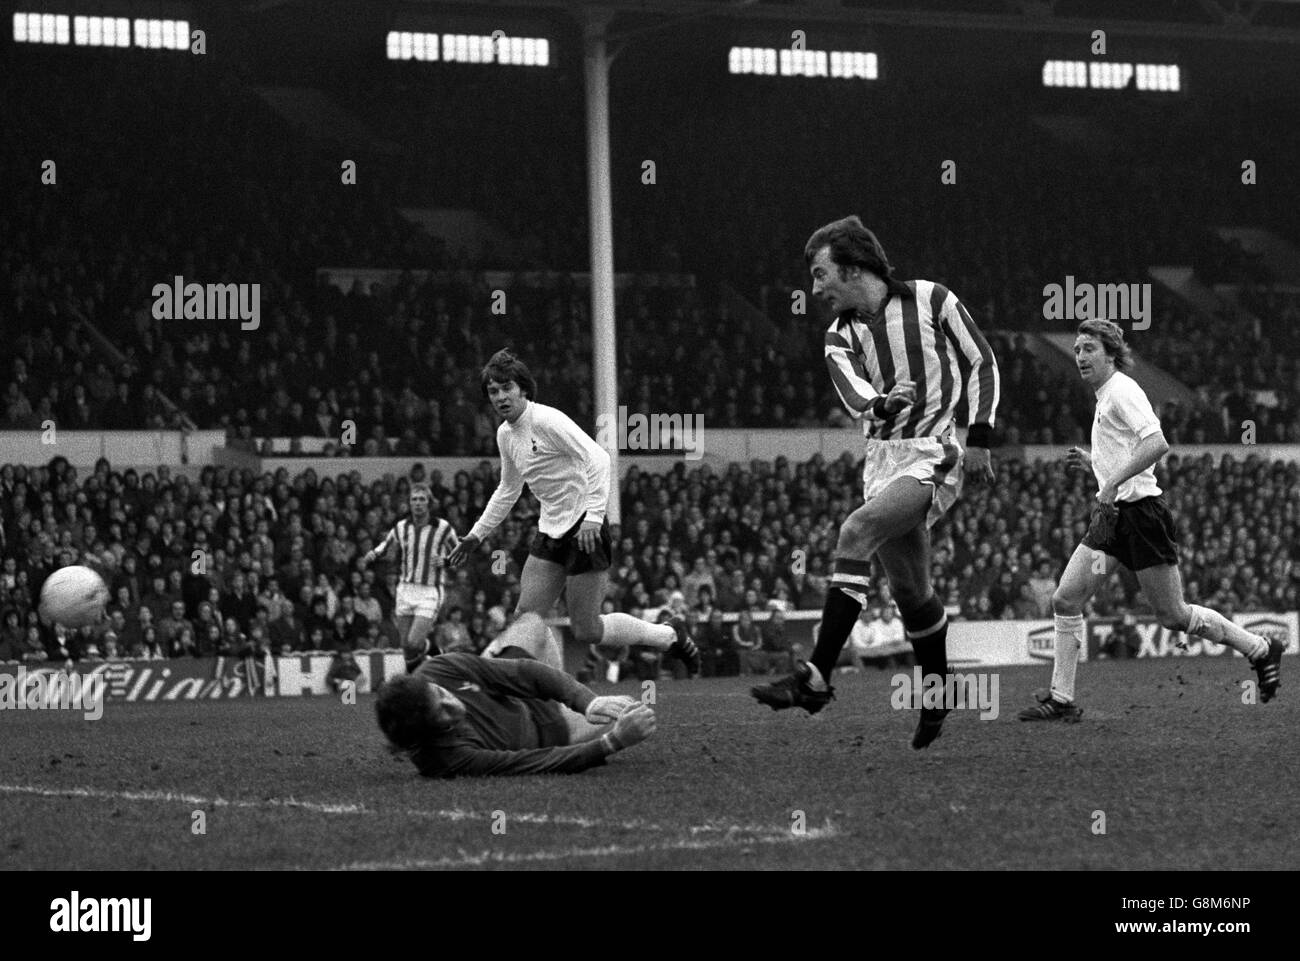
(1185, 775)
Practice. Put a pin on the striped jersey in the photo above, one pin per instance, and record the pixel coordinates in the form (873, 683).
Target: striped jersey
(418, 547)
(928, 338)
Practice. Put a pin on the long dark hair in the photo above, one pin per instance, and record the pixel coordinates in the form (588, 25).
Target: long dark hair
(505, 367)
(402, 709)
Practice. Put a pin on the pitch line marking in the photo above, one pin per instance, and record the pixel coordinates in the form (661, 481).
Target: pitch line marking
(318, 807)
(609, 850)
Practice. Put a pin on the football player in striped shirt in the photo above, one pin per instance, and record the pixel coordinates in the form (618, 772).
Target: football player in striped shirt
(907, 359)
(568, 473)
(1131, 526)
(423, 542)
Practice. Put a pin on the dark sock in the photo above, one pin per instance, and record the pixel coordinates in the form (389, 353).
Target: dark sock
(413, 661)
(932, 649)
(838, 617)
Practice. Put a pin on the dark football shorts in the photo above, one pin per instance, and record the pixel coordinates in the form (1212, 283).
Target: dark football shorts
(564, 550)
(1144, 535)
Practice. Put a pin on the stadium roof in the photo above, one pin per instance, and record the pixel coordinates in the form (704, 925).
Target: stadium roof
(1240, 20)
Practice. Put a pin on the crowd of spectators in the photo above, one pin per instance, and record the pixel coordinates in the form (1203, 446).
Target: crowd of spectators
(408, 393)
(249, 200)
(232, 563)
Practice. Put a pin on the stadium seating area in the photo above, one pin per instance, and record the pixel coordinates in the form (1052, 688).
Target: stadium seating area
(282, 570)
(1241, 370)
(254, 201)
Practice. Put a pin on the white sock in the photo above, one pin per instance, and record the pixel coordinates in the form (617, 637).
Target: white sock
(1069, 638)
(611, 672)
(815, 679)
(552, 651)
(1213, 626)
(625, 630)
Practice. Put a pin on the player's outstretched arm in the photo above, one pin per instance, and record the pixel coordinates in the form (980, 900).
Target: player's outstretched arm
(632, 727)
(473, 762)
(525, 678)
(497, 509)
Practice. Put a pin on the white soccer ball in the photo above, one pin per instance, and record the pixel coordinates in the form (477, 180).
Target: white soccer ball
(73, 597)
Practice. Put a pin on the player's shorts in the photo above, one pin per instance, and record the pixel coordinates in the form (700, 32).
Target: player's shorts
(1145, 535)
(564, 550)
(418, 600)
(935, 461)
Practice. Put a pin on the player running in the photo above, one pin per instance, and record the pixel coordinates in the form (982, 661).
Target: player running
(568, 473)
(424, 542)
(460, 714)
(1130, 526)
(907, 359)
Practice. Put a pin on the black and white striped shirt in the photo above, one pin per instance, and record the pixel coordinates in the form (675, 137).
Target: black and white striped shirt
(929, 339)
(419, 546)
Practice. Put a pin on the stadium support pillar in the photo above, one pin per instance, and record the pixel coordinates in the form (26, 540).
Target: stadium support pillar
(600, 204)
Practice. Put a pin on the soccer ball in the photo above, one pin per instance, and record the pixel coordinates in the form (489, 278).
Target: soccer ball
(73, 597)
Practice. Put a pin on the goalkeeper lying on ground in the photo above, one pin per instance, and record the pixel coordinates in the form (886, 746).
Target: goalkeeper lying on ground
(460, 714)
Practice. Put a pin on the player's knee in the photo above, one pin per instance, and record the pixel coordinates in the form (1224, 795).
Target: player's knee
(1174, 618)
(1066, 602)
(529, 628)
(856, 533)
(528, 620)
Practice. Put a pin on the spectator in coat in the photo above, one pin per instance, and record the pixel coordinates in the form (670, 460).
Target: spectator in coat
(746, 640)
(717, 653)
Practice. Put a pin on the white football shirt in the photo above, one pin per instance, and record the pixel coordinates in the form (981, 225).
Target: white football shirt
(1124, 418)
(565, 469)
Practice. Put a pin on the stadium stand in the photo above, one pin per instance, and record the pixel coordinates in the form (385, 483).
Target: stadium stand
(284, 571)
(393, 357)
(401, 358)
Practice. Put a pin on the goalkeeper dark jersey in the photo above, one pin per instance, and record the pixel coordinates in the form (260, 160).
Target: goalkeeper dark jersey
(512, 722)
